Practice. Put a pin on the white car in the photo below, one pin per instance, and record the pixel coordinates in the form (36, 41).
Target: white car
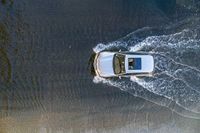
(123, 64)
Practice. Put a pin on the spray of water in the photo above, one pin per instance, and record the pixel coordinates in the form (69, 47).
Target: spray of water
(176, 80)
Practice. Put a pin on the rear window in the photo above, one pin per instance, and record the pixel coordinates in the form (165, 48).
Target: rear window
(134, 64)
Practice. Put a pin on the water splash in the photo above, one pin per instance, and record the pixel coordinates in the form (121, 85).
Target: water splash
(176, 80)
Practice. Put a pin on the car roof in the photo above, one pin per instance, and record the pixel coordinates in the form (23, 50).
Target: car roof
(141, 63)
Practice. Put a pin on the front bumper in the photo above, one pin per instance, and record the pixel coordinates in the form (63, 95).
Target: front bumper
(95, 64)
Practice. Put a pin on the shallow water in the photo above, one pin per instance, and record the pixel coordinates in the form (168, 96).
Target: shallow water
(45, 82)
(176, 74)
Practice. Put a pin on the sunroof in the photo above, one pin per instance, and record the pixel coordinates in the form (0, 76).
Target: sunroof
(134, 64)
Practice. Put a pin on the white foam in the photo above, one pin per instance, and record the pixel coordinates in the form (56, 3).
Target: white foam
(176, 77)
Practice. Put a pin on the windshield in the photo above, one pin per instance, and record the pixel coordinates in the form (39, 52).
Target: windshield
(118, 63)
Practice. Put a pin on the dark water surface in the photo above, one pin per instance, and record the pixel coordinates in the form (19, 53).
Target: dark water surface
(46, 85)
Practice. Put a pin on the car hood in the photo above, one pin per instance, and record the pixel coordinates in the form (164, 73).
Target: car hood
(105, 64)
